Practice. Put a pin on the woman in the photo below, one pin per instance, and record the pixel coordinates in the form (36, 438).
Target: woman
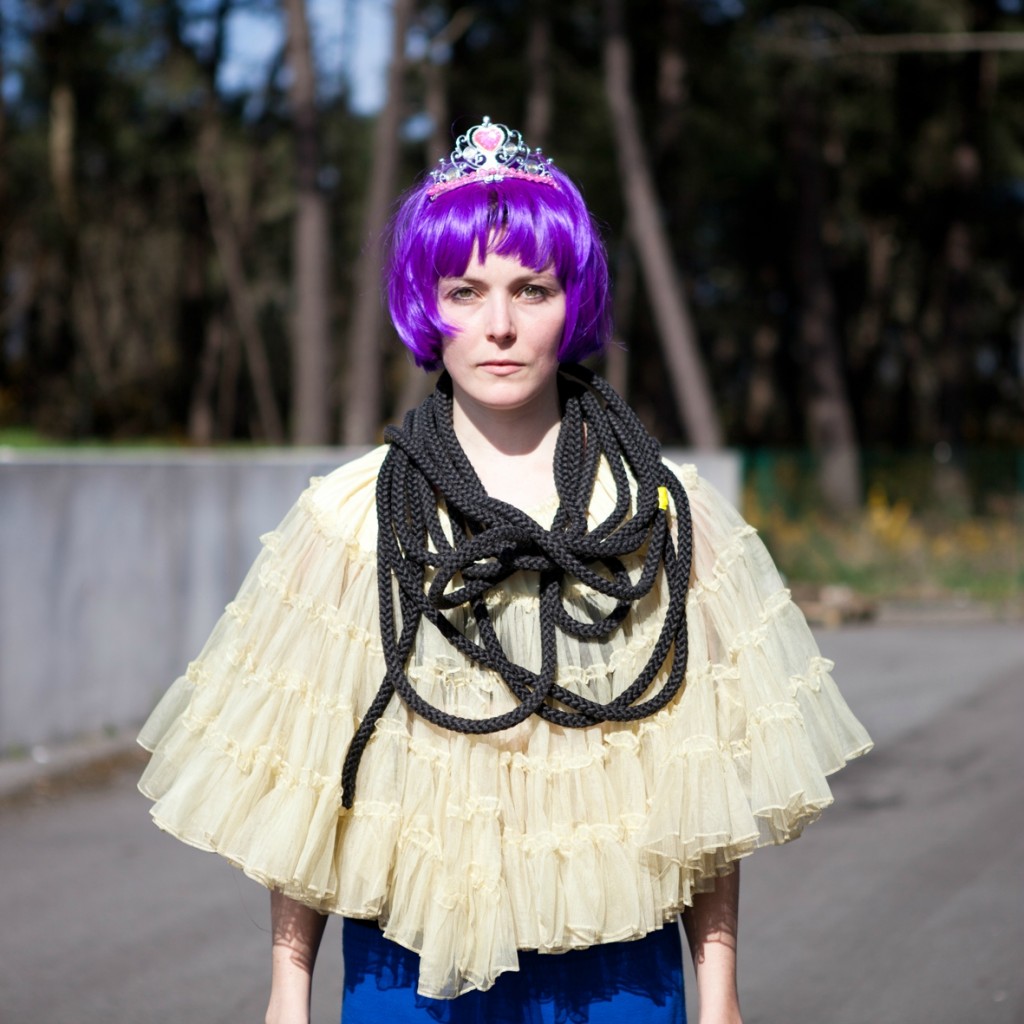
(509, 686)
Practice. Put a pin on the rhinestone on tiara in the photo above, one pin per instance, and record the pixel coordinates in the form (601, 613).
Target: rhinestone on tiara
(489, 152)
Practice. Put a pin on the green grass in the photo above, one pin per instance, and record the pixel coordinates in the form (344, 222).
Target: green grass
(24, 437)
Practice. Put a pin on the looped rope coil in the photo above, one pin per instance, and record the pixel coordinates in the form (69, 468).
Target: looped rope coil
(492, 540)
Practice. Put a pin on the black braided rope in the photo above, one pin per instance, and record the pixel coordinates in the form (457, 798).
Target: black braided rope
(493, 540)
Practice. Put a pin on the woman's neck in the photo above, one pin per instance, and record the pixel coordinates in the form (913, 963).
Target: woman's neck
(509, 432)
(512, 450)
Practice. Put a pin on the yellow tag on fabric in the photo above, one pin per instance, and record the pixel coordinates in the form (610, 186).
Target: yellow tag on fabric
(663, 497)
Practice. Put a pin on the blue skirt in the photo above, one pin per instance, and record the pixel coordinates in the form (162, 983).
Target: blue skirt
(640, 982)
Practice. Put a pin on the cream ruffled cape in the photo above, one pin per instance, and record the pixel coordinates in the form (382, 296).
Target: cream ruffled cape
(467, 849)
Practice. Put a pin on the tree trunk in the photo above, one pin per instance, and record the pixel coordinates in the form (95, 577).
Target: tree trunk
(361, 416)
(830, 424)
(956, 285)
(230, 371)
(61, 355)
(672, 85)
(230, 256)
(62, 150)
(194, 315)
(540, 97)
(616, 354)
(667, 297)
(310, 245)
(202, 423)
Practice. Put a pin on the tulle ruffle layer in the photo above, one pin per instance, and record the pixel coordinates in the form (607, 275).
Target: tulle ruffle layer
(468, 849)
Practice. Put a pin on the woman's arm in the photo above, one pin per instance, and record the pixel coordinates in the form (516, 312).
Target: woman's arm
(711, 926)
(296, 932)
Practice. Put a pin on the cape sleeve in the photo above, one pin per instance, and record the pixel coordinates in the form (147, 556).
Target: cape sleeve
(248, 746)
(764, 721)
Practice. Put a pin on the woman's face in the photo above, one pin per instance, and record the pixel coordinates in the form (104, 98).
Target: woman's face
(503, 357)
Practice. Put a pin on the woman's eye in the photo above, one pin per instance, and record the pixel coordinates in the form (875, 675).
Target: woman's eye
(534, 291)
(460, 294)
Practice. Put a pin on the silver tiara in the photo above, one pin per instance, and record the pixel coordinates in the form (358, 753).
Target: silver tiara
(489, 152)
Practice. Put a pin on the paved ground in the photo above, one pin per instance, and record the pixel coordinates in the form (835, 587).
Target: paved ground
(904, 905)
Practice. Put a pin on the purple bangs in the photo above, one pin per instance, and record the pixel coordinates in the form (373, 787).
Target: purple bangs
(535, 222)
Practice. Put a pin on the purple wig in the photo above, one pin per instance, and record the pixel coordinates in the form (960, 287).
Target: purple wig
(538, 223)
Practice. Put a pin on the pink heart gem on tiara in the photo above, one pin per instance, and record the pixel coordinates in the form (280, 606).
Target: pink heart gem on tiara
(488, 153)
(487, 138)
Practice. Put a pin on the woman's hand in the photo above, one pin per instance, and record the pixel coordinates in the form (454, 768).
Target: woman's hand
(711, 927)
(296, 932)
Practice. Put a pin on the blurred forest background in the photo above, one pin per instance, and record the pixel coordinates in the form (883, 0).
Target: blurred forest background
(815, 217)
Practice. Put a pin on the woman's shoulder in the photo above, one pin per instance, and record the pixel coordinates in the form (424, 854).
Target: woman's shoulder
(357, 472)
(717, 523)
(699, 486)
(343, 503)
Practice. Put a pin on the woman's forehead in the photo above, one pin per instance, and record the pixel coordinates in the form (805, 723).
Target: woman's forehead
(498, 256)
(495, 262)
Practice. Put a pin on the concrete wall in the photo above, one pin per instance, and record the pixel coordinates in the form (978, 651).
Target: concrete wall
(114, 568)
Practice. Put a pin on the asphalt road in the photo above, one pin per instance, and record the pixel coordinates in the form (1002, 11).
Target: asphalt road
(903, 905)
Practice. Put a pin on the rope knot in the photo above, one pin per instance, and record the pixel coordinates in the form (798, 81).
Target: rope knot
(487, 541)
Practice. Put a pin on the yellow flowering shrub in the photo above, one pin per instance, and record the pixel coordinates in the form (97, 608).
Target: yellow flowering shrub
(895, 547)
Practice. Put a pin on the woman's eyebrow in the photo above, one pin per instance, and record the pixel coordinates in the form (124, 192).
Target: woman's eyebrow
(530, 275)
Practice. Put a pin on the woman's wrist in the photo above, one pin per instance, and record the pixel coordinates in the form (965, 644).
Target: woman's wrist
(290, 988)
(277, 1014)
(729, 1015)
(282, 1011)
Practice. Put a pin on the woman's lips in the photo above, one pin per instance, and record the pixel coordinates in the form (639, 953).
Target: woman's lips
(501, 369)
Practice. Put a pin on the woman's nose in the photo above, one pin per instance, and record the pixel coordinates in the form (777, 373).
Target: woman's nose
(500, 318)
